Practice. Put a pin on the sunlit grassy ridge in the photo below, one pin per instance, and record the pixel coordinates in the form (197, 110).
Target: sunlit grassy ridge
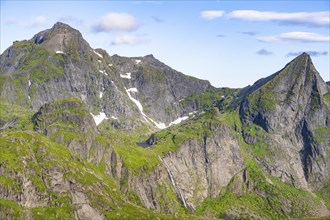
(36, 157)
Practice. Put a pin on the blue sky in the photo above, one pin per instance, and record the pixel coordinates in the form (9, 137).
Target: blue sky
(230, 43)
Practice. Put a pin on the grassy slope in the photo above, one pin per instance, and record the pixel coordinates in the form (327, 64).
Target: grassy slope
(34, 156)
(30, 154)
(268, 197)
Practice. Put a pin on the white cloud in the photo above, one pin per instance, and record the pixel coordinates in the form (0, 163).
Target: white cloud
(71, 19)
(211, 15)
(40, 20)
(127, 39)
(311, 53)
(296, 36)
(321, 18)
(116, 22)
(264, 52)
(34, 22)
(148, 2)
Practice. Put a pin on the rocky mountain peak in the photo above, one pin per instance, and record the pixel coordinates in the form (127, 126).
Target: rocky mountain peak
(62, 26)
(59, 38)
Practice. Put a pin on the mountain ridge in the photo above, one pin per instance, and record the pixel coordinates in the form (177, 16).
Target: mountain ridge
(73, 120)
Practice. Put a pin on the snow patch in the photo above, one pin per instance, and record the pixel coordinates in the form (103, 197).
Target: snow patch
(113, 117)
(114, 84)
(140, 107)
(98, 54)
(103, 72)
(178, 121)
(127, 76)
(99, 118)
(110, 64)
(29, 81)
(192, 113)
(132, 90)
(101, 95)
(160, 125)
(59, 52)
(100, 61)
(181, 100)
(137, 61)
(137, 103)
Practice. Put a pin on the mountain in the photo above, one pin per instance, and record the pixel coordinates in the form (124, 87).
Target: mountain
(86, 135)
(59, 63)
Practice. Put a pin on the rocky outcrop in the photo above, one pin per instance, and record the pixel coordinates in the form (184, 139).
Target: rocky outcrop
(201, 169)
(290, 107)
(67, 121)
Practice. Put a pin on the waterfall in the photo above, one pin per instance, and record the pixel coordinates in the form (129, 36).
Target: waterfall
(173, 182)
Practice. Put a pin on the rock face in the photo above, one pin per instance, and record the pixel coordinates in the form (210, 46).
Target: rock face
(202, 169)
(86, 135)
(67, 121)
(59, 63)
(290, 106)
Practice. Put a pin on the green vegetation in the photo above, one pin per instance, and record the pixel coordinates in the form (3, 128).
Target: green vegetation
(326, 97)
(262, 101)
(53, 212)
(152, 74)
(322, 134)
(3, 80)
(267, 197)
(20, 117)
(55, 176)
(34, 156)
(259, 144)
(139, 159)
(324, 193)
(213, 97)
(10, 209)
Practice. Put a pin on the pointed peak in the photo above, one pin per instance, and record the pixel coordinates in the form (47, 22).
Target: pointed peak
(62, 27)
(305, 55)
(60, 24)
(301, 62)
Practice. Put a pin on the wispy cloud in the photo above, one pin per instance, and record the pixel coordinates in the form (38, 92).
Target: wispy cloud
(157, 19)
(127, 40)
(250, 33)
(296, 36)
(311, 53)
(148, 2)
(34, 22)
(264, 52)
(71, 19)
(321, 18)
(116, 22)
(220, 35)
(39, 20)
(211, 15)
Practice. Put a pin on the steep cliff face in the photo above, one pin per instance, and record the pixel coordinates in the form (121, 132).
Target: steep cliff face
(202, 167)
(67, 121)
(292, 111)
(41, 179)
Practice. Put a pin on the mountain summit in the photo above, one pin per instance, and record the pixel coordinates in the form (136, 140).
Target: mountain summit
(116, 86)
(86, 135)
